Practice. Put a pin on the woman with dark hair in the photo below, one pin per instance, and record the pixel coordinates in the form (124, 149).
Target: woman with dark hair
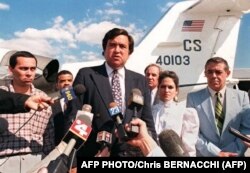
(170, 114)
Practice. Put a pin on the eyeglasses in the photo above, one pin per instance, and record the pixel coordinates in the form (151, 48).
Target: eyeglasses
(167, 86)
(217, 72)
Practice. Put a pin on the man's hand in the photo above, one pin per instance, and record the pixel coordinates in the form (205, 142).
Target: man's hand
(227, 154)
(143, 140)
(38, 102)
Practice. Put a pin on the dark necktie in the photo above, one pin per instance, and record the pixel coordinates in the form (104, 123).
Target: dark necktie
(116, 89)
(219, 114)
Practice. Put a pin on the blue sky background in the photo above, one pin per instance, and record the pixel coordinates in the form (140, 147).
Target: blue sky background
(72, 30)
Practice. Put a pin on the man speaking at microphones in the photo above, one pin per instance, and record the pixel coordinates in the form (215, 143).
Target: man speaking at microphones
(112, 82)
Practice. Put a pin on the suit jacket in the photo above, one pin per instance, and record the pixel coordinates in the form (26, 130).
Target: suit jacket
(12, 102)
(99, 96)
(237, 115)
(63, 119)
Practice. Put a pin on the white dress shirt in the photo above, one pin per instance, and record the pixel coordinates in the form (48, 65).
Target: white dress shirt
(184, 121)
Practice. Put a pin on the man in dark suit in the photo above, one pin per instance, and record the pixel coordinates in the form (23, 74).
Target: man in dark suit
(63, 113)
(117, 46)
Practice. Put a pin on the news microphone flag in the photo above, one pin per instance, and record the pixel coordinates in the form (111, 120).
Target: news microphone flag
(68, 94)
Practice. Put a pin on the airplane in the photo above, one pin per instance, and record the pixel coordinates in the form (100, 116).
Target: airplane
(188, 34)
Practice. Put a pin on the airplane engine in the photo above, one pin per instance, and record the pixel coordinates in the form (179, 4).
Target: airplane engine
(47, 69)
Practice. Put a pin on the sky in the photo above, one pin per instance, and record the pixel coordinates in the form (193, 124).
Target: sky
(72, 30)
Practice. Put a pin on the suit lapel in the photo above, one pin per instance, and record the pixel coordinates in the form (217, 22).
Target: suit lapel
(230, 110)
(130, 83)
(101, 81)
(56, 108)
(208, 108)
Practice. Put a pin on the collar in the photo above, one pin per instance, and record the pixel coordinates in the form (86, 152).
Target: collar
(120, 71)
(212, 92)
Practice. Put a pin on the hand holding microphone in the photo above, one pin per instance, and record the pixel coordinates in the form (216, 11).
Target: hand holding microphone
(171, 143)
(70, 93)
(143, 140)
(74, 138)
(136, 101)
(117, 116)
(38, 102)
(104, 138)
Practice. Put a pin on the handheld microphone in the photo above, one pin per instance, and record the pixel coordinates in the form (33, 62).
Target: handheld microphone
(171, 143)
(3, 125)
(76, 136)
(117, 116)
(136, 101)
(238, 134)
(81, 127)
(70, 93)
(86, 111)
(104, 138)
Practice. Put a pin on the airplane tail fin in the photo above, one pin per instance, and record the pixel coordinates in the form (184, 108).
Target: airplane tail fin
(188, 35)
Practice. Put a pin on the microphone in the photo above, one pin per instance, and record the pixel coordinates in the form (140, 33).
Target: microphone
(78, 133)
(104, 138)
(81, 127)
(70, 93)
(171, 143)
(86, 111)
(117, 116)
(136, 101)
(3, 125)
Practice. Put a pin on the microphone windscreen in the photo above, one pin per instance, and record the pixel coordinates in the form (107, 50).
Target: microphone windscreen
(3, 125)
(79, 89)
(171, 143)
(136, 91)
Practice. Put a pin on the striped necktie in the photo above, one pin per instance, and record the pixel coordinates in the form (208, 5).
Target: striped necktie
(116, 89)
(219, 114)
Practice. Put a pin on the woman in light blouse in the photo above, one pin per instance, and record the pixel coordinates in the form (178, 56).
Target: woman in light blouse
(170, 114)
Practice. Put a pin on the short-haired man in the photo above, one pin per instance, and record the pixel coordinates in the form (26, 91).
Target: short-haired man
(152, 73)
(30, 135)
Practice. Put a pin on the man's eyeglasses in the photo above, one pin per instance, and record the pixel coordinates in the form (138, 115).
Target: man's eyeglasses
(217, 72)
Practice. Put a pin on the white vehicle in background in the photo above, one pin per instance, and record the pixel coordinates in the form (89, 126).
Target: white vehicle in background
(183, 40)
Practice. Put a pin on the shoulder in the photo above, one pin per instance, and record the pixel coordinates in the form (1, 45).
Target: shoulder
(190, 114)
(237, 91)
(39, 92)
(136, 76)
(196, 93)
(91, 69)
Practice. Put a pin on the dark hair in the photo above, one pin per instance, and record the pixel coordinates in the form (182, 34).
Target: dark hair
(217, 60)
(13, 57)
(111, 34)
(63, 72)
(170, 74)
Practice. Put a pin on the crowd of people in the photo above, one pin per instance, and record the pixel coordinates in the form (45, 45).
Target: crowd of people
(37, 123)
